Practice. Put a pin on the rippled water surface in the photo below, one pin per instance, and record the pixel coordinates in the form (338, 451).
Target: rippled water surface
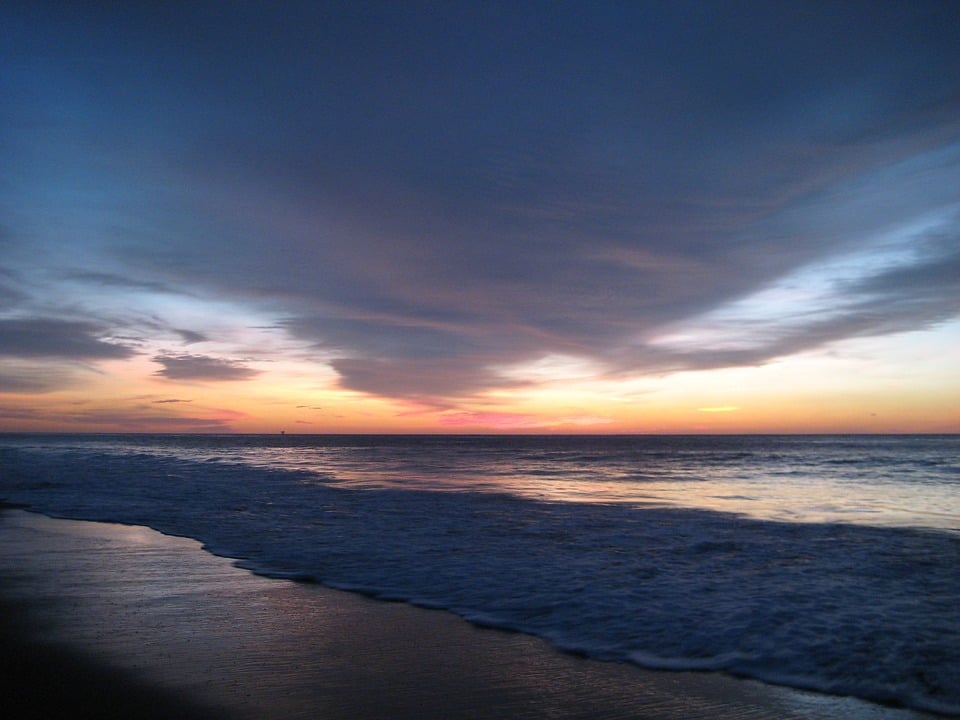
(883, 480)
(825, 562)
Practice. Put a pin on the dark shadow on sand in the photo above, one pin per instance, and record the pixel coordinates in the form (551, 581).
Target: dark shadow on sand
(44, 681)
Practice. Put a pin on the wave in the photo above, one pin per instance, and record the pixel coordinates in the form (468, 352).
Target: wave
(846, 609)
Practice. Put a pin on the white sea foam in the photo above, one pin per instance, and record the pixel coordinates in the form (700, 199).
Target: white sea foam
(838, 607)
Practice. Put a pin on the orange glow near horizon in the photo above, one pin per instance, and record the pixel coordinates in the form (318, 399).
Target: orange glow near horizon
(831, 392)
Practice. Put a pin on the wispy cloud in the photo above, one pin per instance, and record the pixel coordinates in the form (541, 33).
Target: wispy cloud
(126, 419)
(912, 286)
(54, 338)
(499, 421)
(17, 379)
(110, 280)
(191, 337)
(518, 421)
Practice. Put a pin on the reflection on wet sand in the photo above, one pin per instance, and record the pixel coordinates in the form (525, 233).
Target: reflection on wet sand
(189, 622)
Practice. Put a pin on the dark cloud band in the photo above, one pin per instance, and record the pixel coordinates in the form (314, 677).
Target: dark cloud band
(202, 367)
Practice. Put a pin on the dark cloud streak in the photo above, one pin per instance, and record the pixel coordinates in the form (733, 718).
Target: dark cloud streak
(29, 380)
(202, 367)
(123, 420)
(53, 338)
(191, 337)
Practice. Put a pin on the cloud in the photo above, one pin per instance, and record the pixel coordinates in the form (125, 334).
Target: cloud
(143, 422)
(576, 183)
(9, 297)
(921, 291)
(518, 421)
(133, 419)
(202, 367)
(35, 379)
(423, 379)
(171, 400)
(500, 421)
(111, 280)
(906, 294)
(191, 336)
(53, 338)
(916, 290)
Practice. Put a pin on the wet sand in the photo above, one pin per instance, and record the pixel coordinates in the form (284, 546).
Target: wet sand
(104, 620)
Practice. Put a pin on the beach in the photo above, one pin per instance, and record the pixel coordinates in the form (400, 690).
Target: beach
(108, 620)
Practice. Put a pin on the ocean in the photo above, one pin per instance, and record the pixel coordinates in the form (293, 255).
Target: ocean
(830, 563)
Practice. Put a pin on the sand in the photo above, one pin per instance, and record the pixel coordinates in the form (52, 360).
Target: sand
(104, 620)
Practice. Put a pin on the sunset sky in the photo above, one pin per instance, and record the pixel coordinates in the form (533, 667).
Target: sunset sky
(480, 217)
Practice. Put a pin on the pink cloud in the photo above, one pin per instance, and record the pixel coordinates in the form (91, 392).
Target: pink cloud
(501, 421)
(517, 421)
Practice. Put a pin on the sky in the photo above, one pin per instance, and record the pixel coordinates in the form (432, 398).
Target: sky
(470, 217)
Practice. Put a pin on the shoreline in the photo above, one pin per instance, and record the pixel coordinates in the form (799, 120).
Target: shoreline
(138, 619)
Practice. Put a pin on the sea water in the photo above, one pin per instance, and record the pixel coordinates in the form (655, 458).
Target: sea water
(825, 562)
